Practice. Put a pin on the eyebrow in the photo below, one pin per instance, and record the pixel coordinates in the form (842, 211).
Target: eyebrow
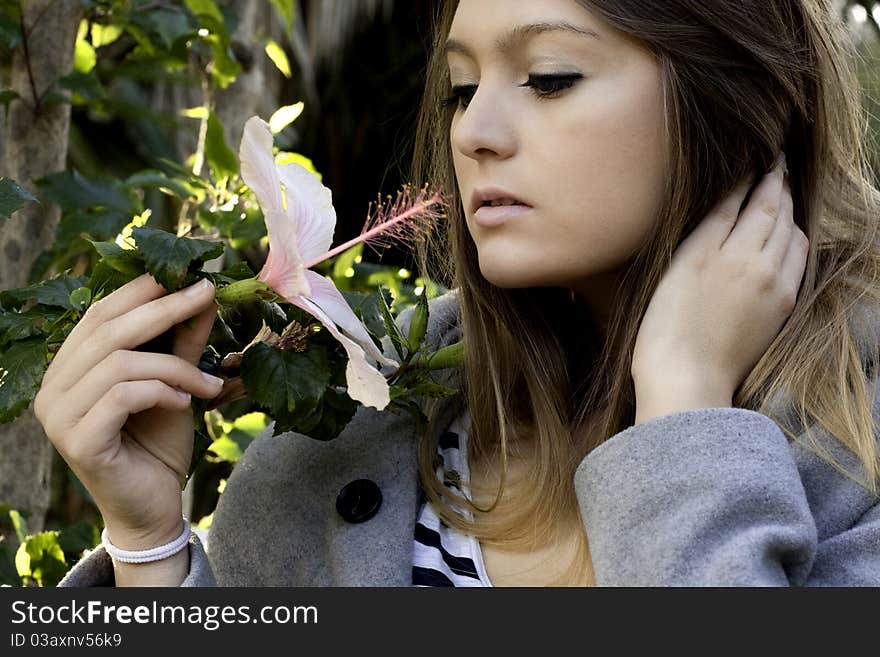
(519, 33)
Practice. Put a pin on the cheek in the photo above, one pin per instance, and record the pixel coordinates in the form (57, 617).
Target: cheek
(613, 139)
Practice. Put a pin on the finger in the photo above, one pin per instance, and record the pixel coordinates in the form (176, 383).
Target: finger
(721, 219)
(124, 365)
(794, 263)
(136, 292)
(135, 327)
(94, 437)
(780, 239)
(191, 337)
(757, 220)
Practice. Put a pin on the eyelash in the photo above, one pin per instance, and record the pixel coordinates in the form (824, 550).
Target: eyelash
(544, 87)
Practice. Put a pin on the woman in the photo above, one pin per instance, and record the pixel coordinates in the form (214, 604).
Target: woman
(666, 383)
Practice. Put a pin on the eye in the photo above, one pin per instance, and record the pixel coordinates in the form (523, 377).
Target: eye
(548, 85)
(458, 94)
(543, 86)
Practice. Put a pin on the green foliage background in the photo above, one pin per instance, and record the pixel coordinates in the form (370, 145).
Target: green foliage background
(123, 49)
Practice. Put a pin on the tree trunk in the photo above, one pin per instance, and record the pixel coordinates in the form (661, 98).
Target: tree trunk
(35, 144)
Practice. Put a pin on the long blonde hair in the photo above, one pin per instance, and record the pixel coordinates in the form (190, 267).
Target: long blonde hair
(740, 80)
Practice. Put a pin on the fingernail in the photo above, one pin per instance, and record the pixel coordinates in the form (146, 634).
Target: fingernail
(213, 380)
(196, 288)
(183, 394)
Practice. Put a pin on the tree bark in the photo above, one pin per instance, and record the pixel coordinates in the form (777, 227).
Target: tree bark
(35, 144)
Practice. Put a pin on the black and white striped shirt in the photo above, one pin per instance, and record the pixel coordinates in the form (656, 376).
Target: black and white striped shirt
(443, 556)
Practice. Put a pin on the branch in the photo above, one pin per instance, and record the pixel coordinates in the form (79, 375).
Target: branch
(27, 55)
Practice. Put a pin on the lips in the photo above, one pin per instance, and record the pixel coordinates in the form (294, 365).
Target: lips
(486, 195)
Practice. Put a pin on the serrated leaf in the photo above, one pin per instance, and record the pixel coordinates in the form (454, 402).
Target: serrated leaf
(169, 258)
(22, 367)
(105, 279)
(125, 261)
(285, 381)
(53, 292)
(19, 325)
(12, 197)
(325, 422)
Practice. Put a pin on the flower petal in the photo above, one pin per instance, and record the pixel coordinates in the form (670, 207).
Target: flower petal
(311, 204)
(330, 300)
(258, 168)
(283, 270)
(366, 384)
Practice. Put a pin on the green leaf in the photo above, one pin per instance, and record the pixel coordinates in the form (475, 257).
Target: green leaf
(7, 96)
(153, 178)
(70, 190)
(428, 389)
(86, 85)
(168, 24)
(449, 356)
(12, 197)
(19, 524)
(346, 261)
(41, 558)
(105, 279)
(77, 538)
(53, 292)
(84, 54)
(284, 116)
(391, 328)
(104, 35)
(221, 158)
(418, 324)
(370, 311)
(169, 258)
(325, 422)
(285, 10)
(207, 13)
(226, 449)
(22, 367)
(80, 298)
(8, 573)
(19, 325)
(285, 381)
(279, 58)
(125, 261)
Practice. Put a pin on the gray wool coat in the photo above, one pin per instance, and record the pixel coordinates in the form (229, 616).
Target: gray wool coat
(703, 497)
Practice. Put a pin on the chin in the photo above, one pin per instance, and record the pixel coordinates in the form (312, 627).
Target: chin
(511, 277)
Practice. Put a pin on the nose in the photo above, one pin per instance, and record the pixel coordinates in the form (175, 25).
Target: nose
(485, 127)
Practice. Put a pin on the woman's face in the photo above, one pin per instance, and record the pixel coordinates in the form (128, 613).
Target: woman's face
(588, 159)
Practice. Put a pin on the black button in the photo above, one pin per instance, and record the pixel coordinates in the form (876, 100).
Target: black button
(359, 500)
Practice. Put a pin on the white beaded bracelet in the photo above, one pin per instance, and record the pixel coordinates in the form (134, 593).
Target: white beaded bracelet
(153, 554)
